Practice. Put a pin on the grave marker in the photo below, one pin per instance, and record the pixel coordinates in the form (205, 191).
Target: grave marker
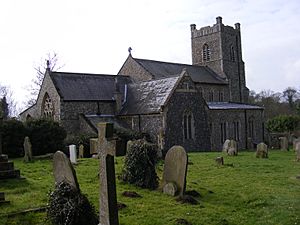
(27, 149)
(262, 150)
(73, 153)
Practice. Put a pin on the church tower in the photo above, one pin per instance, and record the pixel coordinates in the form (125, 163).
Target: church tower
(219, 47)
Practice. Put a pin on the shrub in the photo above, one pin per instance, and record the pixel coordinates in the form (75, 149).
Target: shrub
(139, 165)
(283, 123)
(13, 134)
(46, 136)
(68, 206)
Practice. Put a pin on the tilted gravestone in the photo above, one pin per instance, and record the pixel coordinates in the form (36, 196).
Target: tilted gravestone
(175, 168)
(108, 148)
(284, 145)
(73, 154)
(63, 170)
(262, 150)
(27, 149)
(297, 150)
(81, 151)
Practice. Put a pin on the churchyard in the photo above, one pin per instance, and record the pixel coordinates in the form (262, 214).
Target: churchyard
(245, 190)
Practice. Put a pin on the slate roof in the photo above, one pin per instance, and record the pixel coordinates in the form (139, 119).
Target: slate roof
(230, 105)
(86, 87)
(148, 97)
(200, 74)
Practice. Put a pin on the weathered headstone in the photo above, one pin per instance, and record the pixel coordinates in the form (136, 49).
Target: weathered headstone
(295, 141)
(220, 161)
(108, 148)
(284, 145)
(73, 153)
(63, 170)
(262, 150)
(232, 150)
(27, 149)
(81, 151)
(297, 150)
(226, 145)
(175, 168)
(93, 146)
(170, 189)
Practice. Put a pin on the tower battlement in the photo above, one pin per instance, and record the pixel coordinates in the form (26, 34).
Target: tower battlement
(218, 27)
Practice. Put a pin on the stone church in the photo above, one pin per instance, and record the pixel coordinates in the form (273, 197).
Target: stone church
(197, 106)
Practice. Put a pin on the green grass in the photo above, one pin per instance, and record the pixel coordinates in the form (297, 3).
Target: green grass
(246, 190)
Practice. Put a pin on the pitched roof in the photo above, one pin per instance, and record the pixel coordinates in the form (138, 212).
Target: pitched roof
(200, 74)
(230, 105)
(86, 87)
(148, 97)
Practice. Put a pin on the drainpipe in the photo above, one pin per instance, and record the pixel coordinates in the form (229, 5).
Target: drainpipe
(246, 128)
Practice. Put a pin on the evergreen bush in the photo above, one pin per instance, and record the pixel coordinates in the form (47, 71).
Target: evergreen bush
(68, 206)
(139, 165)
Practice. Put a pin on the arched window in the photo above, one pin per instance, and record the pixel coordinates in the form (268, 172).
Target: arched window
(223, 132)
(251, 128)
(211, 96)
(236, 130)
(206, 52)
(188, 126)
(232, 56)
(47, 107)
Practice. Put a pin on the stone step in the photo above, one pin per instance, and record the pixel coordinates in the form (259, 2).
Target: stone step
(9, 174)
(3, 158)
(6, 166)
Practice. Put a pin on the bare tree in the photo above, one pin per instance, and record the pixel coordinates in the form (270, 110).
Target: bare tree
(51, 62)
(291, 95)
(8, 105)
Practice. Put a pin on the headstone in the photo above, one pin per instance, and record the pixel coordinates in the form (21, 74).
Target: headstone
(175, 168)
(232, 150)
(63, 170)
(295, 141)
(297, 150)
(170, 189)
(81, 151)
(284, 145)
(93, 146)
(226, 145)
(27, 150)
(220, 161)
(262, 150)
(7, 168)
(108, 148)
(73, 153)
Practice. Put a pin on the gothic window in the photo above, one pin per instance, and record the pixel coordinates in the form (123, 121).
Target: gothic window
(221, 96)
(236, 130)
(251, 127)
(206, 52)
(232, 56)
(188, 125)
(223, 132)
(211, 96)
(47, 107)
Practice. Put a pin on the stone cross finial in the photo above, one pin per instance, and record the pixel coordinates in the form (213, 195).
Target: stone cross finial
(108, 148)
(129, 50)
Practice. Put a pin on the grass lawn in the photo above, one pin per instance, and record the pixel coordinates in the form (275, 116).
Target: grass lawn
(246, 190)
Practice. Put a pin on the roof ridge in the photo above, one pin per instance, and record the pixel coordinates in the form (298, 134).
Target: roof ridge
(85, 74)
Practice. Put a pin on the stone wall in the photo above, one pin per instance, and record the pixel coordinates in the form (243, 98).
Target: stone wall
(230, 118)
(207, 89)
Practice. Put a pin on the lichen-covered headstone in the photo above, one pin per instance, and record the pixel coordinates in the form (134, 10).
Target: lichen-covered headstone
(175, 168)
(232, 150)
(262, 150)
(284, 145)
(63, 170)
(81, 151)
(27, 150)
(295, 141)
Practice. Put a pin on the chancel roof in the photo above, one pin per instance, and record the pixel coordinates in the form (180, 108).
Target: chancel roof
(199, 74)
(148, 96)
(87, 87)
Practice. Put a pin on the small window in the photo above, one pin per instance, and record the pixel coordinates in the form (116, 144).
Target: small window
(232, 56)
(221, 96)
(236, 130)
(206, 52)
(211, 96)
(223, 132)
(188, 126)
(251, 128)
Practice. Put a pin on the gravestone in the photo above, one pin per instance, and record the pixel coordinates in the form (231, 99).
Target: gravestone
(297, 150)
(295, 141)
(170, 189)
(232, 150)
(73, 154)
(284, 145)
(93, 146)
(63, 170)
(108, 148)
(220, 161)
(226, 145)
(27, 150)
(81, 151)
(7, 168)
(262, 150)
(175, 168)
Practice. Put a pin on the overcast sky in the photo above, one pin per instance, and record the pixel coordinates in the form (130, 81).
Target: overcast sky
(93, 36)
